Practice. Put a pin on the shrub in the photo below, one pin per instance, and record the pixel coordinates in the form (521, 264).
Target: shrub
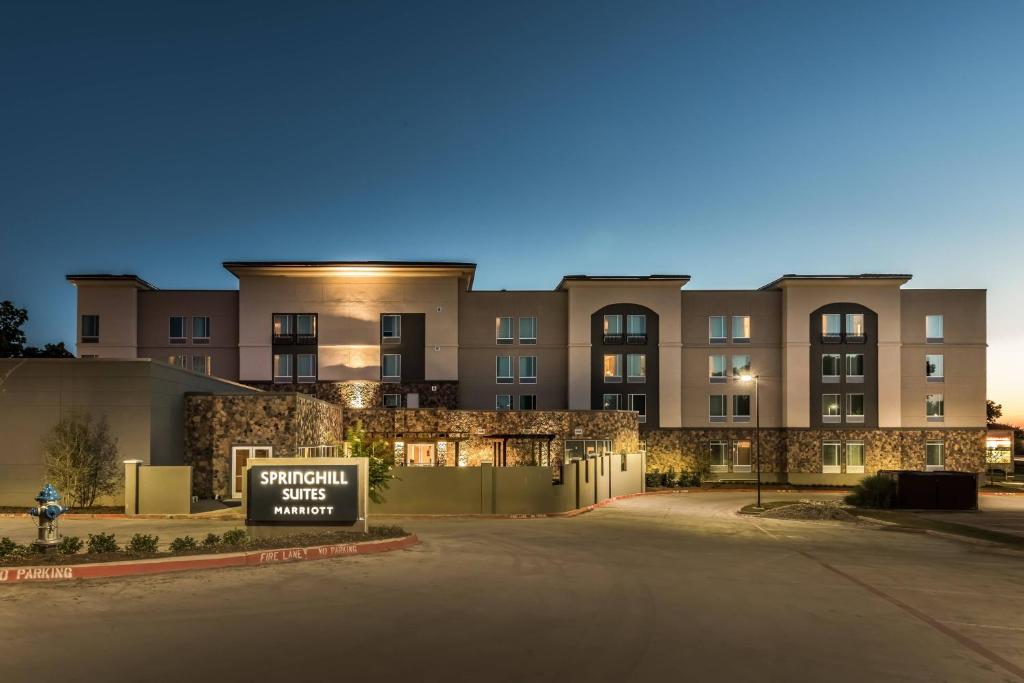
(235, 537)
(380, 459)
(82, 460)
(183, 544)
(102, 543)
(876, 491)
(669, 479)
(143, 543)
(211, 540)
(689, 479)
(7, 547)
(652, 479)
(69, 545)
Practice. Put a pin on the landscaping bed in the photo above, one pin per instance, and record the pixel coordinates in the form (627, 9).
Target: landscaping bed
(814, 510)
(103, 547)
(91, 510)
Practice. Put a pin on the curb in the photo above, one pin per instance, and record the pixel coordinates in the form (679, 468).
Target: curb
(247, 558)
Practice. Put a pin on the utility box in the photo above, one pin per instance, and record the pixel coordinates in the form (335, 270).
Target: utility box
(935, 490)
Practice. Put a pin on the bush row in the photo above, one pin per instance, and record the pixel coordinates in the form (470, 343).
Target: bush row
(139, 544)
(670, 479)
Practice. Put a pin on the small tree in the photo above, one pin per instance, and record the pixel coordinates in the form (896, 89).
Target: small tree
(993, 411)
(381, 457)
(12, 338)
(81, 459)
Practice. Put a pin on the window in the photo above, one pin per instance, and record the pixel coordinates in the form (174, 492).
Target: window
(855, 457)
(503, 330)
(503, 370)
(741, 328)
(201, 364)
(90, 329)
(636, 368)
(933, 329)
(391, 328)
(716, 407)
(527, 402)
(528, 330)
(741, 456)
(527, 369)
(613, 367)
(855, 331)
(716, 368)
(935, 455)
(638, 403)
(933, 367)
(306, 366)
(200, 329)
(719, 456)
(613, 329)
(830, 331)
(855, 407)
(284, 326)
(391, 367)
(177, 331)
(935, 409)
(283, 367)
(741, 407)
(179, 360)
(392, 400)
(611, 402)
(855, 367)
(830, 463)
(716, 329)
(636, 329)
(305, 325)
(830, 367)
(830, 408)
(503, 402)
(740, 365)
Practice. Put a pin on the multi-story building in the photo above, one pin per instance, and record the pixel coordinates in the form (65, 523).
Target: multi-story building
(821, 377)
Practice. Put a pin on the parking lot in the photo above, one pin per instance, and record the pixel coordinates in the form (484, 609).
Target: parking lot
(661, 587)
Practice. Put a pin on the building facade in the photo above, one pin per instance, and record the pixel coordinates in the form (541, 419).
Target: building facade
(823, 378)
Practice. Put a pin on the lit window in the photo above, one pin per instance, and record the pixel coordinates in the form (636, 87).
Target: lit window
(855, 367)
(527, 369)
(613, 329)
(391, 328)
(611, 402)
(503, 402)
(528, 330)
(830, 327)
(830, 367)
(636, 329)
(716, 329)
(741, 328)
(740, 365)
(283, 367)
(90, 329)
(638, 403)
(855, 407)
(855, 331)
(391, 367)
(718, 453)
(503, 370)
(741, 407)
(741, 455)
(179, 360)
(935, 455)
(716, 407)
(935, 409)
(283, 325)
(503, 330)
(177, 331)
(855, 457)
(305, 325)
(830, 463)
(830, 408)
(392, 400)
(613, 367)
(636, 367)
(933, 329)
(201, 364)
(527, 402)
(306, 366)
(933, 367)
(716, 368)
(200, 329)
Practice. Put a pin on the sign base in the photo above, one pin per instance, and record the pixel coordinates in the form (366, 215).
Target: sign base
(278, 530)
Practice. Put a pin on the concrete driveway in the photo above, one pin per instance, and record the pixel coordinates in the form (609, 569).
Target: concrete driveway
(665, 587)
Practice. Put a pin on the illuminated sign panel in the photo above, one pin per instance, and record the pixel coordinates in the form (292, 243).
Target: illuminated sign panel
(302, 494)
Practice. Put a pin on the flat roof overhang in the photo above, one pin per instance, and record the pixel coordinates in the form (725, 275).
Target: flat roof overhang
(354, 269)
(568, 280)
(863, 278)
(126, 278)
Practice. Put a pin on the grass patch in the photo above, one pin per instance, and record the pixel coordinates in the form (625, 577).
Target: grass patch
(910, 521)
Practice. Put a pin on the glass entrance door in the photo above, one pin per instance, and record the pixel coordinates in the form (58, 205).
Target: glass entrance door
(239, 457)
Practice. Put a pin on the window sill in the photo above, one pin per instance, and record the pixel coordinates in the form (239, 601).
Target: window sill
(937, 419)
(717, 340)
(639, 339)
(855, 469)
(719, 468)
(718, 380)
(177, 340)
(830, 379)
(741, 468)
(527, 380)
(855, 419)
(831, 419)
(503, 342)
(935, 380)
(741, 340)
(831, 469)
(307, 380)
(934, 468)
(90, 340)
(200, 340)
(391, 380)
(613, 380)
(741, 418)
(612, 339)
(716, 418)
(282, 380)
(504, 380)
(636, 380)
(934, 340)
(527, 341)
(390, 340)
(855, 379)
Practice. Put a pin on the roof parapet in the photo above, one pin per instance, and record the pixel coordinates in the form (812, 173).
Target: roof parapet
(794, 277)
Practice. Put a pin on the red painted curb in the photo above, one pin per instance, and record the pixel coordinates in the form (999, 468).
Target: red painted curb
(248, 558)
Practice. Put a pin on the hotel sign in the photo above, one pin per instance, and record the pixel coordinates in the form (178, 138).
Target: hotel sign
(304, 494)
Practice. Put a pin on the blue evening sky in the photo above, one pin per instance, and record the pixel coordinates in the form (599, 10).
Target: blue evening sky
(733, 141)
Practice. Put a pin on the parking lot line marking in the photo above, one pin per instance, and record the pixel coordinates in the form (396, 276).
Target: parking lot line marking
(995, 626)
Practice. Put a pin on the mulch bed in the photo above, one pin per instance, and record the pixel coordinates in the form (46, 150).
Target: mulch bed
(375, 533)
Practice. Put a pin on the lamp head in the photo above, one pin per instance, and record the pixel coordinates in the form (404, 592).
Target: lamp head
(746, 378)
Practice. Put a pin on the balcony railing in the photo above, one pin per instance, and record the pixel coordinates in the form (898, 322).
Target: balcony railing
(636, 338)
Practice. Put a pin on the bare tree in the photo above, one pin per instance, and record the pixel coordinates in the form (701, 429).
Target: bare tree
(82, 459)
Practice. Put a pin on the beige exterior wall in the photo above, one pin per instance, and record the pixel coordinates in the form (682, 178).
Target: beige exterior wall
(963, 349)
(765, 350)
(478, 349)
(116, 303)
(156, 308)
(349, 309)
(800, 298)
(661, 296)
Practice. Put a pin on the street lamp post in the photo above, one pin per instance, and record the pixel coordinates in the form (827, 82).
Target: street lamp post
(757, 431)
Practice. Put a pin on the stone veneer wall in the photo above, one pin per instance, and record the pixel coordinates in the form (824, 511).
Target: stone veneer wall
(799, 450)
(216, 422)
(368, 394)
(472, 427)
